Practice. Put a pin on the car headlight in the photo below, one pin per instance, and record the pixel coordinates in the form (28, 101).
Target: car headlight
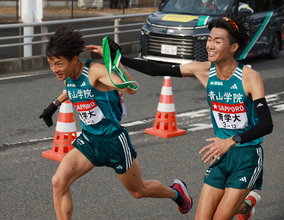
(144, 32)
(202, 37)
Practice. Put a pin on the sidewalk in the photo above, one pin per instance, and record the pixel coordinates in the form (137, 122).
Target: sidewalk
(9, 14)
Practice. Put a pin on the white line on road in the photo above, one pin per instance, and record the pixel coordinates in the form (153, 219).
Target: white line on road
(273, 100)
(23, 76)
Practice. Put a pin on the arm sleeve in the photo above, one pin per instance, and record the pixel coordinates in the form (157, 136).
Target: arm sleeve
(151, 68)
(263, 127)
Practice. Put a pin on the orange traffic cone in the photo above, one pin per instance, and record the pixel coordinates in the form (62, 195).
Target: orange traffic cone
(165, 124)
(65, 133)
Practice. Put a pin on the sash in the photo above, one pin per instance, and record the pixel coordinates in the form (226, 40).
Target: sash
(113, 67)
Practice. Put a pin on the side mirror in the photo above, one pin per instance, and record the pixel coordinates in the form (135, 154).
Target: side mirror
(246, 11)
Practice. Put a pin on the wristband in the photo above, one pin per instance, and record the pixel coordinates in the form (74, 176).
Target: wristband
(57, 102)
(237, 139)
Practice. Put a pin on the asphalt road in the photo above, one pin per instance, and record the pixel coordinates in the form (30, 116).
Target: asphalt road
(25, 176)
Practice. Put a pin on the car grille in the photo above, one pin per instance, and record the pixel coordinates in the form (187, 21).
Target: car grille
(187, 47)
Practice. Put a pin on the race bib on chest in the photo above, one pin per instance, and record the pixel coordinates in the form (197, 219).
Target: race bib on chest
(233, 116)
(89, 112)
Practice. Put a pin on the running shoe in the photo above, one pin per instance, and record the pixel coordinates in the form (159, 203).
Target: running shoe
(251, 200)
(184, 201)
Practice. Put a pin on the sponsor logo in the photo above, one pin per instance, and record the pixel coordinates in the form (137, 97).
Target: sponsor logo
(71, 85)
(259, 105)
(234, 86)
(85, 106)
(229, 109)
(83, 84)
(80, 142)
(208, 172)
(119, 167)
(216, 83)
(244, 179)
(170, 31)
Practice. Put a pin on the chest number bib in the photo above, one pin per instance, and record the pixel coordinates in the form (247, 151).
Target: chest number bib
(231, 116)
(89, 112)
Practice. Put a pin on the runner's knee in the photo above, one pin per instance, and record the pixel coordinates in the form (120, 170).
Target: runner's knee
(58, 182)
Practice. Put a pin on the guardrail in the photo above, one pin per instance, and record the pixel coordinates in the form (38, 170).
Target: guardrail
(46, 24)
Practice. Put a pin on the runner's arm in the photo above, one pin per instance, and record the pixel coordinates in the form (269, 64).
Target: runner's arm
(98, 72)
(263, 127)
(253, 84)
(151, 68)
(62, 98)
(146, 67)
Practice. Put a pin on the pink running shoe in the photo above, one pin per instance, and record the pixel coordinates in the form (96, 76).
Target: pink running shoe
(184, 201)
(251, 200)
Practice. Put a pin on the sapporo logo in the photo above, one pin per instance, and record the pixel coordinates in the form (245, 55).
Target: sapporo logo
(216, 83)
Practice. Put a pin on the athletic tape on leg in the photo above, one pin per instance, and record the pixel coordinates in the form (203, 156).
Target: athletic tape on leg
(113, 67)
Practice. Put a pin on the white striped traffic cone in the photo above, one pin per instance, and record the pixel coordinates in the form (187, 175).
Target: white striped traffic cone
(65, 133)
(165, 124)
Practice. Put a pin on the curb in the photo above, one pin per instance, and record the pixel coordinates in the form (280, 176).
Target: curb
(25, 64)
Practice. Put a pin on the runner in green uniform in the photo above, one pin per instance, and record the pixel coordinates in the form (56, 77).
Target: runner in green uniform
(103, 141)
(240, 117)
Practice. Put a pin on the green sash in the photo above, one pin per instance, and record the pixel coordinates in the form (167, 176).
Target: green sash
(113, 67)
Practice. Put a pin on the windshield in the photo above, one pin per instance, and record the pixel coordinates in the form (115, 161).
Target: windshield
(204, 7)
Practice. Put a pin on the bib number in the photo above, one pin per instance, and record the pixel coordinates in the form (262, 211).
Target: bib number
(232, 116)
(89, 112)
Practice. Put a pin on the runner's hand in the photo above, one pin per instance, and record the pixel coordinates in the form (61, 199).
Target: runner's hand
(47, 114)
(95, 49)
(99, 49)
(113, 48)
(216, 149)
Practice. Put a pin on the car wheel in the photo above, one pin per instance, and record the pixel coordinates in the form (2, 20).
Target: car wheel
(275, 47)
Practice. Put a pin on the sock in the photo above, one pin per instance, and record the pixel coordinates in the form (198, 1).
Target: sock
(176, 194)
(248, 206)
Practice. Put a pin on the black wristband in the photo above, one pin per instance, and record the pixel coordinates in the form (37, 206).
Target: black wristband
(57, 102)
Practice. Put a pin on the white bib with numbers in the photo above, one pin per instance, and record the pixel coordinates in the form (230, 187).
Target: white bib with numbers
(230, 116)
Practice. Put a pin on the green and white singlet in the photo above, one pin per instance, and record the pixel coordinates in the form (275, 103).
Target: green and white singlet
(232, 112)
(100, 111)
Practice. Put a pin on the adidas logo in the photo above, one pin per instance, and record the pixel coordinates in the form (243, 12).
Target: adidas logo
(259, 105)
(83, 84)
(119, 167)
(208, 172)
(234, 86)
(244, 179)
(81, 142)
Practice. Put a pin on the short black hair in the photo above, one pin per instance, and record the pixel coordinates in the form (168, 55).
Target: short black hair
(65, 42)
(241, 34)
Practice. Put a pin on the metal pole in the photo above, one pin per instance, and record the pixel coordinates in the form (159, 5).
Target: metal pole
(123, 6)
(20, 41)
(44, 29)
(17, 9)
(27, 17)
(116, 29)
(72, 9)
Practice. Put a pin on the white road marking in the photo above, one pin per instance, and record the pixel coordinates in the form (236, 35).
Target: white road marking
(187, 119)
(23, 76)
